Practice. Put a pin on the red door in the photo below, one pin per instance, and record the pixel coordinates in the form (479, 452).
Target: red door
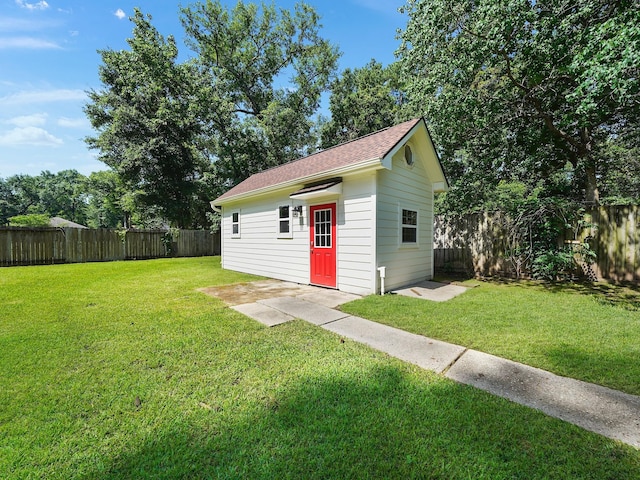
(323, 245)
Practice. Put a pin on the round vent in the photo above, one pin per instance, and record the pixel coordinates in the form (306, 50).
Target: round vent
(408, 155)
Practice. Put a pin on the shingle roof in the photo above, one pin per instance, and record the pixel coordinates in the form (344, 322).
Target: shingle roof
(63, 222)
(370, 147)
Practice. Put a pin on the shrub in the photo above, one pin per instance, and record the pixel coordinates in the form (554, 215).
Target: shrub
(554, 264)
(31, 220)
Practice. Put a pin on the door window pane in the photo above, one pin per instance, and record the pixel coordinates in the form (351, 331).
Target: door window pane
(322, 228)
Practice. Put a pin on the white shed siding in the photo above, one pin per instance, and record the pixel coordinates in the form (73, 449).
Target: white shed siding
(258, 250)
(409, 188)
(356, 249)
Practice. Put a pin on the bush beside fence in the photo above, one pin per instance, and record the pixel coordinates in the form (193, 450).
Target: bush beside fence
(473, 244)
(41, 246)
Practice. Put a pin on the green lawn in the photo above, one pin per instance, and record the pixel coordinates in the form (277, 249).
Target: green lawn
(587, 332)
(223, 397)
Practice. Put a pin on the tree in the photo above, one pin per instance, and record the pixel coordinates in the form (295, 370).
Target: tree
(620, 170)
(105, 193)
(149, 125)
(267, 70)
(62, 194)
(521, 87)
(50, 194)
(364, 100)
(7, 202)
(20, 196)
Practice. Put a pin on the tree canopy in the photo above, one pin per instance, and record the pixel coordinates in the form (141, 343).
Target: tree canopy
(266, 70)
(62, 194)
(100, 200)
(177, 134)
(522, 89)
(149, 125)
(362, 101)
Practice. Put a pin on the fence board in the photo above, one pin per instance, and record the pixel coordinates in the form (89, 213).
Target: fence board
(617, 242)
(472, 244)
(40, 246)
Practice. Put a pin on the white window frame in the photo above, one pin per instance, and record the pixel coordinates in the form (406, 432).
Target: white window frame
(236, 214)
(402, 226)
(288, 219)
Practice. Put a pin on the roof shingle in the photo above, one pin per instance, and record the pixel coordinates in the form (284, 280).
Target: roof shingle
(370, 147)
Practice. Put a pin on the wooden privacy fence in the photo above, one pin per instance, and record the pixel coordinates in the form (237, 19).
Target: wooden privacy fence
(41, 246)
(474, 244)
(617, 242)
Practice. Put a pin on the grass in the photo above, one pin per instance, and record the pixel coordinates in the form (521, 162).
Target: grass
(591, 333)
(224, 397)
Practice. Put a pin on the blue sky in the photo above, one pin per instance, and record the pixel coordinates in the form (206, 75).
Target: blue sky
(49, 59)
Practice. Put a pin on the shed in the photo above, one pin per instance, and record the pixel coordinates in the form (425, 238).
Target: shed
(333, 218)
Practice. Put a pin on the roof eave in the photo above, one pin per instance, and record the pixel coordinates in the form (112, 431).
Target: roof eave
(371, 164)
(439, 187)
(386, 161)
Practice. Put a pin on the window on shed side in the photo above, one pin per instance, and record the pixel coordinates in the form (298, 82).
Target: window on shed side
(235, 225)
(284, 221)
(409, 232)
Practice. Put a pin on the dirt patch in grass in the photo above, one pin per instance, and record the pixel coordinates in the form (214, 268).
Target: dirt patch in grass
(250, 292)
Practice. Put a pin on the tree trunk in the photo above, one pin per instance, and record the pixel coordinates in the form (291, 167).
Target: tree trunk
(591, 193)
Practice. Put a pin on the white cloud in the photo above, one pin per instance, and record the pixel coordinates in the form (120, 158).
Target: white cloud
(73, 122)
(28, 120)
(9, 24)
(29, 136)
(43, 96)
(27, 42)
(41, 5)
(120, 14)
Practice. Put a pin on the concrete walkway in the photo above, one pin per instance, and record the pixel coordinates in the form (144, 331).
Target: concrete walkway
(598, 409)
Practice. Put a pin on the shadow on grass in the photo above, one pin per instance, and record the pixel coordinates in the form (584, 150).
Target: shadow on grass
(624, 296)
(573, 361)
(381, 423)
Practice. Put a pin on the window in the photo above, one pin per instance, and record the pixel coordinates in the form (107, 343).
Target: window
(284, 221)
(235, 225)
(409, 226)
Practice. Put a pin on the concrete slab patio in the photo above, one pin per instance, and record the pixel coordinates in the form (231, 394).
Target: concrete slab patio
(306, 310)
(264, 314)
(250, 292)
(434, 291)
